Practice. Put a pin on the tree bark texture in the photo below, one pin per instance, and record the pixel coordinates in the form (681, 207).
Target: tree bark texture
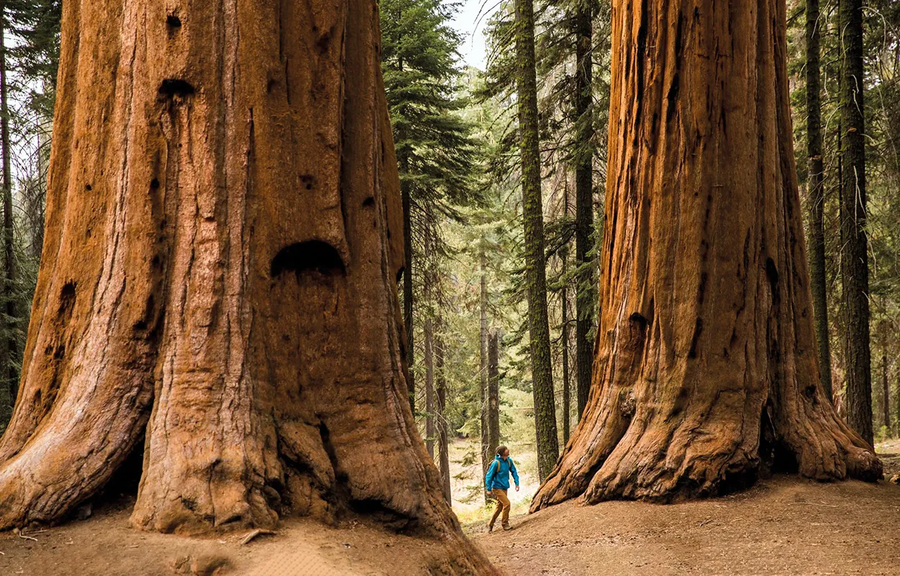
(586, 294)
(11, 346)
(428, 334)
(885, 393)
(533, 217)
(854, 244)
(493, 402)
(816, 188)
(706, 371)
(224, 234)
(408, 342)
(443, 440)
(897, 407)
(564, 345)
(486, 455)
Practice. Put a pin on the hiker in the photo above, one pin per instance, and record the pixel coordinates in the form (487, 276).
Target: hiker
(496, 482)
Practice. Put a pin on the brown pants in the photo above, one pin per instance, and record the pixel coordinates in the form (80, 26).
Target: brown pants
(502, 506)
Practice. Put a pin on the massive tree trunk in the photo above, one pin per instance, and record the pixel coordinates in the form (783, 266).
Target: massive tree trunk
(706, 372)
(586, 295)
(854, 240)
(533, 217)
(818, 281)
(443, 441)
(223, 239)
(11, 345)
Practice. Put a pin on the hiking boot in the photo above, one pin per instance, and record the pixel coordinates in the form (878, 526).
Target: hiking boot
(507, 527)
(490, 528)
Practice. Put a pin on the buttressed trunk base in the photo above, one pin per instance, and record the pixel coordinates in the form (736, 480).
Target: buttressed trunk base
(706, 371)
(224, 232)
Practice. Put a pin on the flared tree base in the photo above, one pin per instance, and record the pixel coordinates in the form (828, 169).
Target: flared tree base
(665, 462)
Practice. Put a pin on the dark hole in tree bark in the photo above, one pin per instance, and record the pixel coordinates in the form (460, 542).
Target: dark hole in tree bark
(172, 87)
(67, 298)
(173, 22)
(370, 201)
(389, 518)
(774, 455)
(60, 352)
(123, 484)
(698, 329)
(639, 319)
(810, 392)
(341, 493)
(771, 272)
(324, 42)
(154, 184)
(88, 187)
(312, 255)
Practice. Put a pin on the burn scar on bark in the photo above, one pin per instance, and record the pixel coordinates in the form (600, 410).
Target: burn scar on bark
(176, 87)
(312, 255)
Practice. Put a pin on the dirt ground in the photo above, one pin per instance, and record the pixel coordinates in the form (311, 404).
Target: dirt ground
(783, 526)
(105, 545)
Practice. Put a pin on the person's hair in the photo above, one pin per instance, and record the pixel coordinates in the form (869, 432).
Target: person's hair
(501, 450)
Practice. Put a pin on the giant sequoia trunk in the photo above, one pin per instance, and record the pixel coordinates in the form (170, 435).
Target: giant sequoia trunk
(706, 368)
(224, 231)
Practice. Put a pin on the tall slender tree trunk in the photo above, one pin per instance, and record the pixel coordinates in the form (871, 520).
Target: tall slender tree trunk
(220, 276)
(885, 391)
(533, 217)
(493, 391)
(586, 295)
(409, 348)
(897, 407)
(9, 255)
(486, 455)
(429, 386)
(443, 440)
(564, 343)
(854, 252)
(704, 372)
(818, 281)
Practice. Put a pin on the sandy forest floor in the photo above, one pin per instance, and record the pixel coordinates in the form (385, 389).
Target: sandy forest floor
(782, 526)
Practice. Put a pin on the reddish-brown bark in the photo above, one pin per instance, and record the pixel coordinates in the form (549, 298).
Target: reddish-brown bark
(706, 371)
(224, 232)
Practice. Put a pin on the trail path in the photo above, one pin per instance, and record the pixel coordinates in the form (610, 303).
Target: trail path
(782, 526)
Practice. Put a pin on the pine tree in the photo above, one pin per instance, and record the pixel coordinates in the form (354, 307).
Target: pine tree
(434, 149)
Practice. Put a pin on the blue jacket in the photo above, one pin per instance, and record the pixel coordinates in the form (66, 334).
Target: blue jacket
(498, 474)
